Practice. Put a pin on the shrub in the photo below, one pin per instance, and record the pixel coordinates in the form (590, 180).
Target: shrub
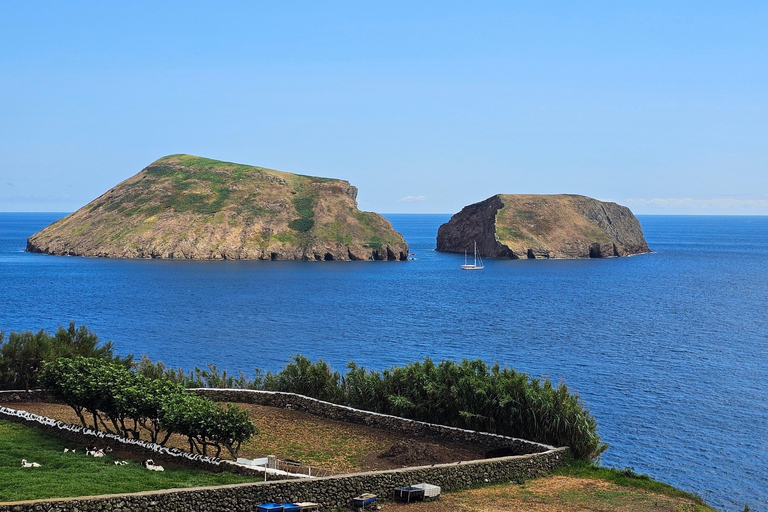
(23, 355)
(124, 401)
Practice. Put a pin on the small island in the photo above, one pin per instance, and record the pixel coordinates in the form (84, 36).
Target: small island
(543, 226)
(184, 206)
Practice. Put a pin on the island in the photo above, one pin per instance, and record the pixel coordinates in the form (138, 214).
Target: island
(184, 206)
(543, 226)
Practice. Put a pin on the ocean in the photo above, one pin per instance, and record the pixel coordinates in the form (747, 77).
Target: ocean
(668, 350)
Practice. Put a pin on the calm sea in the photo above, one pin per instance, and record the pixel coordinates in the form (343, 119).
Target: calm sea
(669, 350)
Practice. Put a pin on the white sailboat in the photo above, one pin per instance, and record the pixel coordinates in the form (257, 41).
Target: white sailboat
(472, 266)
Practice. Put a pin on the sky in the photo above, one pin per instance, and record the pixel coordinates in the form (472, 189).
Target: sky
(426, 107)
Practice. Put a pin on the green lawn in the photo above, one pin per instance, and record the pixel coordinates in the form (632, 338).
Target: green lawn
(67, 475)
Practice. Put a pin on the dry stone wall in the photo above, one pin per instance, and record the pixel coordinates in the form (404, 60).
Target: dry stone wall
(533, 460)
(330, 492)
(329, 410)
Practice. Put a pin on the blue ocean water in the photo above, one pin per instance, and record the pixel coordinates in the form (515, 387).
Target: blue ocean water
(669, 350)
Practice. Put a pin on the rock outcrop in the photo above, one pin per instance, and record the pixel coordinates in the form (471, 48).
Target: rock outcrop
(184, 206)
(543, 226)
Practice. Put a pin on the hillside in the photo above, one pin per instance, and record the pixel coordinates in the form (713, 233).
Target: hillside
(183, 206)
(543, 226)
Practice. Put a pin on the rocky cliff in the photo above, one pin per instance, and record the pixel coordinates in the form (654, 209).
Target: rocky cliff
(543, 226)
(184, 206)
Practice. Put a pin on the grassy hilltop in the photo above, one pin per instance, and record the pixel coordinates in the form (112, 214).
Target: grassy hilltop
(184, 206)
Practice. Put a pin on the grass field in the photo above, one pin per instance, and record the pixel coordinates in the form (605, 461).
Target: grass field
(77, 474)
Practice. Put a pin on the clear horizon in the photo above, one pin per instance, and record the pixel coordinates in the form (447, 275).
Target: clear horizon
(425, 108)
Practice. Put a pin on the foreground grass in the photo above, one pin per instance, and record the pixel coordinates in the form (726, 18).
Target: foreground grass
(626, 478)
(575, 488)
(68, 475)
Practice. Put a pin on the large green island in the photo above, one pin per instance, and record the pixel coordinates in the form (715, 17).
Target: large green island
(184, 206)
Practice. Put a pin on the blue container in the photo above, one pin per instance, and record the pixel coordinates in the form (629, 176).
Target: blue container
(270, 507)
(291, 507)
(363, 500)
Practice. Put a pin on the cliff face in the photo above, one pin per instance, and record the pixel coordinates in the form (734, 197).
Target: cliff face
(543, 226)
(184, 206)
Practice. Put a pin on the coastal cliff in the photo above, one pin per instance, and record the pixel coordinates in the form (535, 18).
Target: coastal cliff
(543, 226)
(183, 206)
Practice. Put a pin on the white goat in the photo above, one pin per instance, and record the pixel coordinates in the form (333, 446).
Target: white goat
(150, 465)
(26, 464)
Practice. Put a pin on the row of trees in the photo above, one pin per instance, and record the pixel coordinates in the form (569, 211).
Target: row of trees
(124, 402)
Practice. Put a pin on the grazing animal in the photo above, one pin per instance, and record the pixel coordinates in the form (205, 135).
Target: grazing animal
(150, 465)
(26, 464)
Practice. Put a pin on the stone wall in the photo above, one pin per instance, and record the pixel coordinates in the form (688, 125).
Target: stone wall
(381, 421)
(330, 492)
(534, 460)
(89, 437)
(36, 395)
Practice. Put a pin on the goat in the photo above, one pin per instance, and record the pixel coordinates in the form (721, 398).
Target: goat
(26, 464)
(150, 465)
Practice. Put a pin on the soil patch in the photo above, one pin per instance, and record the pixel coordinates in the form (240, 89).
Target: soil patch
(329, 444)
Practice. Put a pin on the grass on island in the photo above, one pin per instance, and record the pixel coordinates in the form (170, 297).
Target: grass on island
(77, 474)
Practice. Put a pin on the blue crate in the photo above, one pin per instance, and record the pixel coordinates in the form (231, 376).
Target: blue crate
(363, 500)
(270, 507)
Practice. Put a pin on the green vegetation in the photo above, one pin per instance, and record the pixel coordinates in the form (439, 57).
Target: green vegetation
(76, 474)
(304, 203)
(470, 394)
(334, 231)
(199, 163)
(124, 402)
(508, 232)
(23, 354)
(375, 242)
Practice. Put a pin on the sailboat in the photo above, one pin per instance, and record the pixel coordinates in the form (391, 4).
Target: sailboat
(472, 266)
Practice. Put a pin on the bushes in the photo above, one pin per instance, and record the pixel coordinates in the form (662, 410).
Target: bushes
(22, 356)
(476, 396)
(469, 394)
(125, 402)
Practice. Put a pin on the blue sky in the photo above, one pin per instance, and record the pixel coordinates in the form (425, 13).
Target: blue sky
(424, 106)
